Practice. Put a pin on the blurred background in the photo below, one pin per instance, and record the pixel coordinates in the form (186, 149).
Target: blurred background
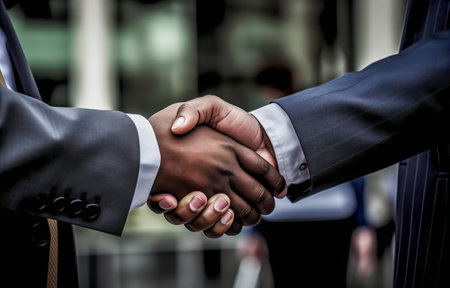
(139, 56)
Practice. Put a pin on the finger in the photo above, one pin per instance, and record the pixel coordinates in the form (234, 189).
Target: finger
(215, 209)
(197, 111)
(253, 192)
(189, 207)
(186, 119)
(244, 212)
(283, 193)
(218, 229)
(236, 228)
(256, 165)
(226, 118)
(160, 203)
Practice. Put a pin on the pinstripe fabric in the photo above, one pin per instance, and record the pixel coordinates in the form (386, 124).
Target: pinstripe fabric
(422, 223)
(364, 121)
(423, 204)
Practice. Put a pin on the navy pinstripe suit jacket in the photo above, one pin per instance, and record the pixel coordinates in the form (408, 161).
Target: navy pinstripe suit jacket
(423, 207)
(395, 109)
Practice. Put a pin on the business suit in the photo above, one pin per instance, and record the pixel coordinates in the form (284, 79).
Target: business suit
(392, 110)
(422, 243)
(78, 166)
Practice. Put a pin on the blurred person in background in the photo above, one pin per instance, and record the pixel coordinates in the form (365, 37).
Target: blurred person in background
(371, 254)
(62, 166)
(276, 81)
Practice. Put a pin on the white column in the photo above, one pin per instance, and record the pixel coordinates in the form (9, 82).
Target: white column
(92, 79)
(303, 39)
(378, 25)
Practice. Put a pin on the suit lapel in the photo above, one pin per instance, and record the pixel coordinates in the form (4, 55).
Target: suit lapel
(24, 77)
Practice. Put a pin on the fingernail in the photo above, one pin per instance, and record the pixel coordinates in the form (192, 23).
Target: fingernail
(163, 204)
(196, 203)
(178, 122)
(226, 218)
(220, 204)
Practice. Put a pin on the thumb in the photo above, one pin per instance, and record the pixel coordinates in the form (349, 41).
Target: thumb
(198, 111)
(161, 203)
(186, 119)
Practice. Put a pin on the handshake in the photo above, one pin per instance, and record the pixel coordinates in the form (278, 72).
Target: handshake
(217, 177)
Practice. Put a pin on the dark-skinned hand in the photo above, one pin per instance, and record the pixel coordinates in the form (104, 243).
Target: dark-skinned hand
(208, 161)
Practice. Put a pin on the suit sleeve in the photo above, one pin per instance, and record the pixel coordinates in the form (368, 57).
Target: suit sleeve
(75, 165)
(367, 120)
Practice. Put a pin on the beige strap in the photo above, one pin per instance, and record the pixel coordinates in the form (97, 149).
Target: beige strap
(52, 274)
(2, 80)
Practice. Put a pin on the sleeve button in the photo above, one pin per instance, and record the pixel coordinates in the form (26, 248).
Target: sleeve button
(58, 205)
(91, 212)
(39, 235)
(302, 166)
(40, 203)
(75, 207)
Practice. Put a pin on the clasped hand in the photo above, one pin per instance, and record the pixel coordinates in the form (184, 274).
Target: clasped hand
(222, 172)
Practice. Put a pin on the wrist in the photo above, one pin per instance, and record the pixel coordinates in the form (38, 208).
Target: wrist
(284, 143)
(269, 147)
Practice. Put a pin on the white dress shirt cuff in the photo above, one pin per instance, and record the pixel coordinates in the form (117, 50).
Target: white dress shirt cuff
(288, 151)
(150, 160)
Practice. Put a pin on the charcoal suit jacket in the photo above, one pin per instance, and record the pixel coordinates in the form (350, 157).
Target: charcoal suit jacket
(78, 166)
(394, 109)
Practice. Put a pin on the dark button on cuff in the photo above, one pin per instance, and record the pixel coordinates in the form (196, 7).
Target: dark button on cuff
(39, 236)
(75, 207)
(299, 191)
(302, 166)
(91, 212)
(40, 203)
(58, 205)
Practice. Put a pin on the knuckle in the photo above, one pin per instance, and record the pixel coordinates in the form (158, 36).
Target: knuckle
(261, 195)
(263, 165)
(212, 97)
(185, 107)
(245, 213)
(249, 216)
(182, 107)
